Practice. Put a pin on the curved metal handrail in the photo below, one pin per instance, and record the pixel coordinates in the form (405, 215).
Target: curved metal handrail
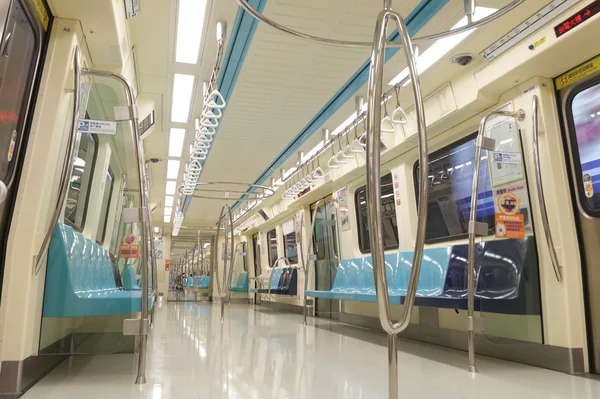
(243, 195)
(398, 43)
(540, 190)
(374, 172)
(518, 115)
(67, 172)
(223, 289)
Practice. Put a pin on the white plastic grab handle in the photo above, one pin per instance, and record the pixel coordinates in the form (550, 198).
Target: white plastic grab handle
(318, 174)
(216, 95)
(387, 125)
(208, 123)
(207, 130)
(333, 163)
(215, 113)
(348, 150)
(399, 112)
(340, 158)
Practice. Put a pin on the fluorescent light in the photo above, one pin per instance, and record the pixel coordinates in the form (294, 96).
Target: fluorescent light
(168, 211)
(442, 47)
(167, 219)
(190, 24)
(171, 187)
(173, 168)
(169, 200)
(176, 139)
(156, 229)
(183, 87)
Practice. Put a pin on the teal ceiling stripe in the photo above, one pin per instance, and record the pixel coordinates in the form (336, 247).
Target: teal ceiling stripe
(239, 43)
(414, 22)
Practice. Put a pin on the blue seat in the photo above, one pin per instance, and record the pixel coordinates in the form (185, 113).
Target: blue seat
(241, 284)
(284, 281)
(201, 282)
(129, 279)
(80, 279)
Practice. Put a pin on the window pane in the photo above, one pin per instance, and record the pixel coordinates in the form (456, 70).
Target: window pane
(291, 248)
(586, 118)
(388, 216)
(107, 194)
(272, 246)
(450, 184)
(81, 180)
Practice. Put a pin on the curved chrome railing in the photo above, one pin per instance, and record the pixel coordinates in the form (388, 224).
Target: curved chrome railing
(223, 288)
(478, 229)
(67, 172)
(374, 185)
(540, 190)
(398, 43)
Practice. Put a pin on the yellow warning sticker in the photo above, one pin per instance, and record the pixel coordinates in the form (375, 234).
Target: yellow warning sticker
(539, 42)
(41, 11)
(577, 73)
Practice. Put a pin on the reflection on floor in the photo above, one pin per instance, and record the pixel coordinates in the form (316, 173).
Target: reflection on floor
(261, 353)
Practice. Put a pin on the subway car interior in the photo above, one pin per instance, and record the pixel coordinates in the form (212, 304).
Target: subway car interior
(305, 199)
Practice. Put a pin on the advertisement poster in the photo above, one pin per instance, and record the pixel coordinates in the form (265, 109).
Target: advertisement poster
(298, 222)
(158, 248)
(506, 162)
(342, 197)
(512, 211)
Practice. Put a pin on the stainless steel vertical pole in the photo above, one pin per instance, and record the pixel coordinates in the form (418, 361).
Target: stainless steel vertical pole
(374, 185)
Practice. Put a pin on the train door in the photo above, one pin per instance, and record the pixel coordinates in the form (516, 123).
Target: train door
(21, 46)
(580, 106)
(257, 269)
(325, 241)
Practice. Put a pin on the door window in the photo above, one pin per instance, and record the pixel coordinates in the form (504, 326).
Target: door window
(272, 246)
(106, 196)
(18, 52)
(585, 139)
(81, 181)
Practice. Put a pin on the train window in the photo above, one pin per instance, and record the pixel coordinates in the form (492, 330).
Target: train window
(585, 117)
(272, 247)
(106, 196)
(388, 216)
(81, 181)
(450, 185)
(291, 247)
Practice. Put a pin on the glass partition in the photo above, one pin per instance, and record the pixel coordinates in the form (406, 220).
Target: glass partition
(94, 267)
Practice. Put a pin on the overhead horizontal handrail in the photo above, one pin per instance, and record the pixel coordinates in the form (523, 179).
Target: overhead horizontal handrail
(200, 187)
(67, 171)
(397, 43)
(478, 228)
(540, 190)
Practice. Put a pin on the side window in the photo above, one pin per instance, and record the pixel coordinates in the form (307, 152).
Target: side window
(388, 216)
(291, 247)
(272, 246)
(450, 184)
(81, 182)
(106, 196)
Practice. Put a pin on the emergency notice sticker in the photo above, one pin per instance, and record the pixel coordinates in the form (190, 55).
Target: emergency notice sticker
(510, 226)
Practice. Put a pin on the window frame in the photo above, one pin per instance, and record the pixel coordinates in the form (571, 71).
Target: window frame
(573, 149)
(89, 189)
(285, 248)
(110, 174)
(361, 244)
(457, 143)
(269, 247)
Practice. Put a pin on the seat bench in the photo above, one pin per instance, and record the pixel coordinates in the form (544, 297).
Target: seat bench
(80, 279)
(507, 279)
(241, 284)
(284, 281)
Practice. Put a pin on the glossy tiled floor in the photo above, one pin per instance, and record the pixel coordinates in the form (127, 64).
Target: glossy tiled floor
(260, 353)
